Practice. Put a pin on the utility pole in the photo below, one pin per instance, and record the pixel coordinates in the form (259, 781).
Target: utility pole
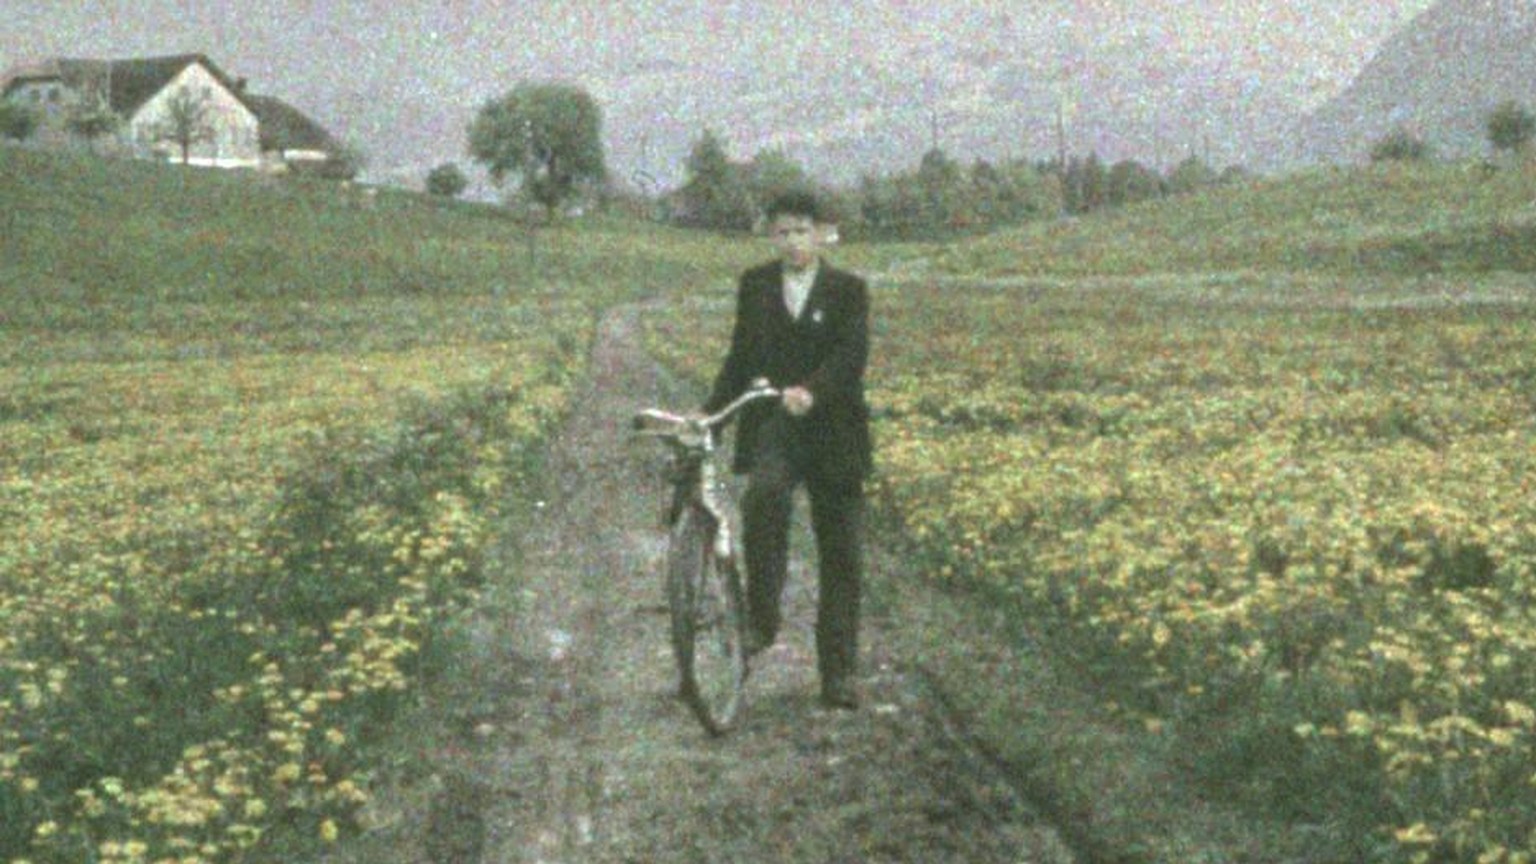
(529, 169)
(1061, 137)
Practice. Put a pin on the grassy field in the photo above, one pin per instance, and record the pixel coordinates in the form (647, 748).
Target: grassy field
(1387, 220)
(1255, 463)
(1266, 489)
(259, 440)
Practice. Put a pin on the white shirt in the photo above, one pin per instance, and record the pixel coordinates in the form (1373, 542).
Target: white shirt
(797, 289)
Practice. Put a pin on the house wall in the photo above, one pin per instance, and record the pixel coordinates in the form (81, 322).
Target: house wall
(52, 100)
(235, 140)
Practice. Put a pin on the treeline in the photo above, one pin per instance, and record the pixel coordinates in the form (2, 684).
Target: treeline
(938, 198)
(1510, 128)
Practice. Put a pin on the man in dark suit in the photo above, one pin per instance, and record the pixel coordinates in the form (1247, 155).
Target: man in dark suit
(804, 326)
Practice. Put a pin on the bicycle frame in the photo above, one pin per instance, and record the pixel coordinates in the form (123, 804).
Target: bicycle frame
(704, 593)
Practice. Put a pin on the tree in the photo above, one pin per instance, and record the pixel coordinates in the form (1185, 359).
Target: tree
(715, 194)
(92, 118)
(17, 122)
(942, 182)
(186, 122)
(1084, 181)
(773, 172)
(447, 181)
(1400, 145)
(548, 135)
(1190, 175)
(1129, 181)
(1510, 127)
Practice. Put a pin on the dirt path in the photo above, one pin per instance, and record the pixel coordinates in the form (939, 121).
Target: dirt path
(583, 755)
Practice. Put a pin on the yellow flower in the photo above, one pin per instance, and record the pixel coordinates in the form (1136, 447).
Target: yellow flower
(328, 831)
(1416, 834)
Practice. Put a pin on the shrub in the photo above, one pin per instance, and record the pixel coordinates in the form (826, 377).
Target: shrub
(447, 181)
(17, 122)
(1510, 126)
(1400, 145)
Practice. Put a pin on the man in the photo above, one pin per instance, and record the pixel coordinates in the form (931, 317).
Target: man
(804, 326)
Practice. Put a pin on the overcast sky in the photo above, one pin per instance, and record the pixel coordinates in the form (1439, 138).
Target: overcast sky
(331, 57)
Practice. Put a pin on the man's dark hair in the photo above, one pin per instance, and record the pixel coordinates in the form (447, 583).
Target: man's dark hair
(796, 202)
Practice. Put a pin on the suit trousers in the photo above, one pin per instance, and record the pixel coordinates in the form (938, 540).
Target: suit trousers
(837, 519)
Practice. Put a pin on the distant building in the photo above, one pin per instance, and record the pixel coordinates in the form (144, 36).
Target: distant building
(175, 107)
(291, 139)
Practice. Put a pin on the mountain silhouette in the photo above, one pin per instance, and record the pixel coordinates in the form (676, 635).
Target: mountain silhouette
(1438, 78)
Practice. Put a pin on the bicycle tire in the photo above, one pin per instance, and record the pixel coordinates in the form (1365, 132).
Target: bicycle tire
(705, 601)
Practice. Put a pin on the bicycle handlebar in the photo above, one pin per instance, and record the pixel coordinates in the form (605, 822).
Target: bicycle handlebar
(682, 423)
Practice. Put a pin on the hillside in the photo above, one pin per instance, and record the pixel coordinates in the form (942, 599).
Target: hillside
(87, 230)
(1378, 220)
(1440, 76)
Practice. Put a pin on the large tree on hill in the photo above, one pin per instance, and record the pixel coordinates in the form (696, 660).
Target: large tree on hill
(548, 135)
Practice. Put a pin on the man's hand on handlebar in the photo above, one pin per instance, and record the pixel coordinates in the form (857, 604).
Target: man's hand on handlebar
(797, 401)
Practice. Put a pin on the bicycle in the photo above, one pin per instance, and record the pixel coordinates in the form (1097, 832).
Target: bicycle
(705, 598)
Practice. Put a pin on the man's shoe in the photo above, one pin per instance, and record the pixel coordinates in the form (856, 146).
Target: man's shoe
(839, 695)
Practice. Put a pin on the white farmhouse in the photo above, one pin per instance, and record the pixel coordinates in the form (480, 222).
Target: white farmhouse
(140, 94)
(180, 108)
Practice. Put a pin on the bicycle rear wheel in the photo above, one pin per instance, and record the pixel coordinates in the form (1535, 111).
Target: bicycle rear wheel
(704, 597)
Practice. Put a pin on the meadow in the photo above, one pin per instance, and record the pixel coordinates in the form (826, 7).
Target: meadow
(1253, 465)
(261, 441)
(1267, 492)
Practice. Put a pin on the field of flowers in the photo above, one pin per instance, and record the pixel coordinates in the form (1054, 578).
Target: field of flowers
(222, 563)
(260, 440)
(1289, 530)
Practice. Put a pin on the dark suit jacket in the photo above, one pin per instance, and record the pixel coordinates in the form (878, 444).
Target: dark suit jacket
(825, 350)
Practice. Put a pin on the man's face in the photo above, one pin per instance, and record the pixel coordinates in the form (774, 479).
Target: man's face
(797, 238)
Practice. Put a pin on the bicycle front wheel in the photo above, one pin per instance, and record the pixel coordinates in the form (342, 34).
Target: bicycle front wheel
(704, 597)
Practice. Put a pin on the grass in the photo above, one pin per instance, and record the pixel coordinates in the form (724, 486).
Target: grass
(258, 414)
(1388, 219)
(1238, 488)
(260, 440)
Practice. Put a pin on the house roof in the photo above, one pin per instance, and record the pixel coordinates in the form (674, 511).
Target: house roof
(284, 127)
(130, 82)
(23, 73)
